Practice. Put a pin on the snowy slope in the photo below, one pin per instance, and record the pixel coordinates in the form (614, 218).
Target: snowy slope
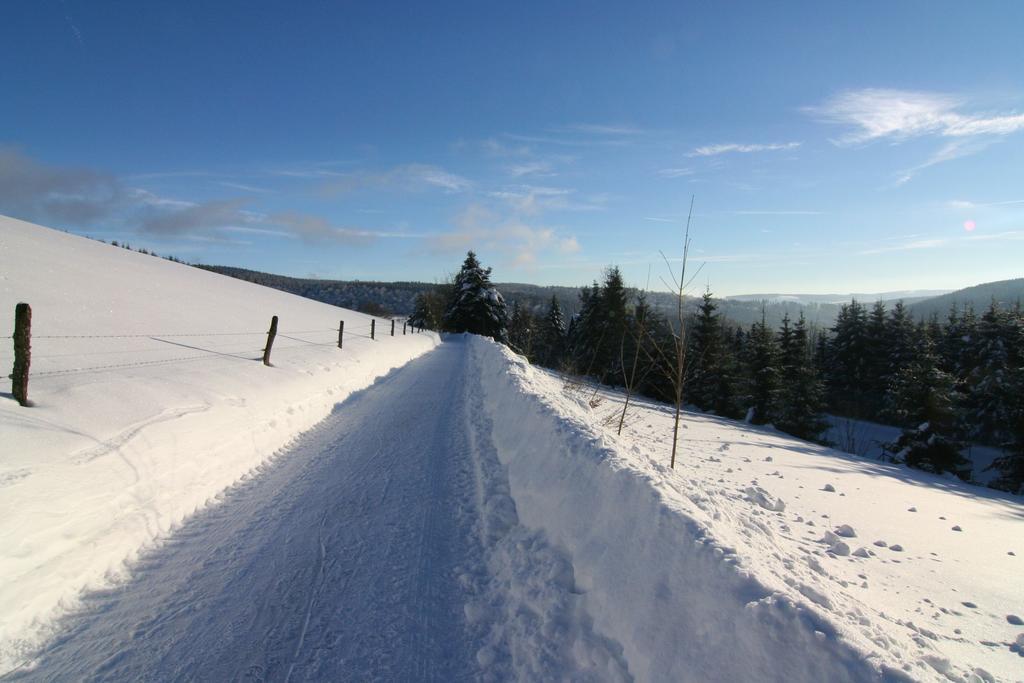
(149, 402)
(760, 557)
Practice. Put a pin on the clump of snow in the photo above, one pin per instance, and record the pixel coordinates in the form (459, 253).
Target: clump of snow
(829, 487)
(764, 499)
(846, 531)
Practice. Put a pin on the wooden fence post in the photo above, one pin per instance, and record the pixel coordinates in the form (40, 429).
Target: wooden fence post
(270, 340)
(341, 332)
(22, 352)
(392, 327)
(404, 324)
(373, 328)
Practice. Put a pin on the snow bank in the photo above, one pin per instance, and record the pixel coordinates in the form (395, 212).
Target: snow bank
(760, 557)
(133, 433)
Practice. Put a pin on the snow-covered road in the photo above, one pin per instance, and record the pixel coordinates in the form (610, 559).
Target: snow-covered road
(356, 555)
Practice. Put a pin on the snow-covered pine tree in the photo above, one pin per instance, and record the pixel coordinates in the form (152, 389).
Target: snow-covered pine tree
(475, 305)
(920, 397)
(801, 392)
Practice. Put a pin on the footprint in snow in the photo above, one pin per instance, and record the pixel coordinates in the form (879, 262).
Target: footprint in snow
(957, 528)
(896, 547)
(1015, 620)
(830, 488)
(911, 509)
(846, 531)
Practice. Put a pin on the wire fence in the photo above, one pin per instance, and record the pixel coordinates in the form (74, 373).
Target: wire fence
(53, 355)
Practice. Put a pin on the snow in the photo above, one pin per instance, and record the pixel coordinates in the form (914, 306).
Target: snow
(699, 580)
(109, 461)
(382, 545)
(864, 438)
(463, 516)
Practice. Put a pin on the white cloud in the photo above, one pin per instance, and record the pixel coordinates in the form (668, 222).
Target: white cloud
(954, 149)
(964, 204)
(604, 129)
(713, 150)
(878, 113)
(522, 244)
(776, 213)
(534, 199)
(407, 177)
(534, 168)
(675, 172)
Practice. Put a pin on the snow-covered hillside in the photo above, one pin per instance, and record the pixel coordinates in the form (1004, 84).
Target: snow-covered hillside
(149, 402)
(760, 557)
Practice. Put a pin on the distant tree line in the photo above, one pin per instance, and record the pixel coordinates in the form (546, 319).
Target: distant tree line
(944, 382)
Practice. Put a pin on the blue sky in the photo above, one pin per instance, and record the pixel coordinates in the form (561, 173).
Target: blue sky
(830, 147)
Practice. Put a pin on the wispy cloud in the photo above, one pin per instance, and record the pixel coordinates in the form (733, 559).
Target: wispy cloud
(531, 168)
(407, 177)
(195, 217)
(244, 188)
(951, 241)
(520, 243)
(775, 213)
(675, 172)
(602, 129)
(37, 191)
(533, 199)
(317, 230)
(954, 149)
(878, 113)
(572, 140)
(964, 204)
(714, 150)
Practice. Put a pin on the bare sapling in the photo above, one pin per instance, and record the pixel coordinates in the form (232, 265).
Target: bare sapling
(673, 360)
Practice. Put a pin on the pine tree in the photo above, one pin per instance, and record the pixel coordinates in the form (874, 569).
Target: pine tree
(705, 355)
(848, 363)
(920, 396)
(613, 319)
(877, 349)
(764, 371)
(550, 344)
(428, 310)
(1010, 465)
(475, 305)
(521, 330)
(901, 339)
(801, 394)
(586, 333)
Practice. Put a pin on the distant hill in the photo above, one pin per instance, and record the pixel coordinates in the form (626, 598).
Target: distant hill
(906, 296)
(398, 298)
(1006, 293)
